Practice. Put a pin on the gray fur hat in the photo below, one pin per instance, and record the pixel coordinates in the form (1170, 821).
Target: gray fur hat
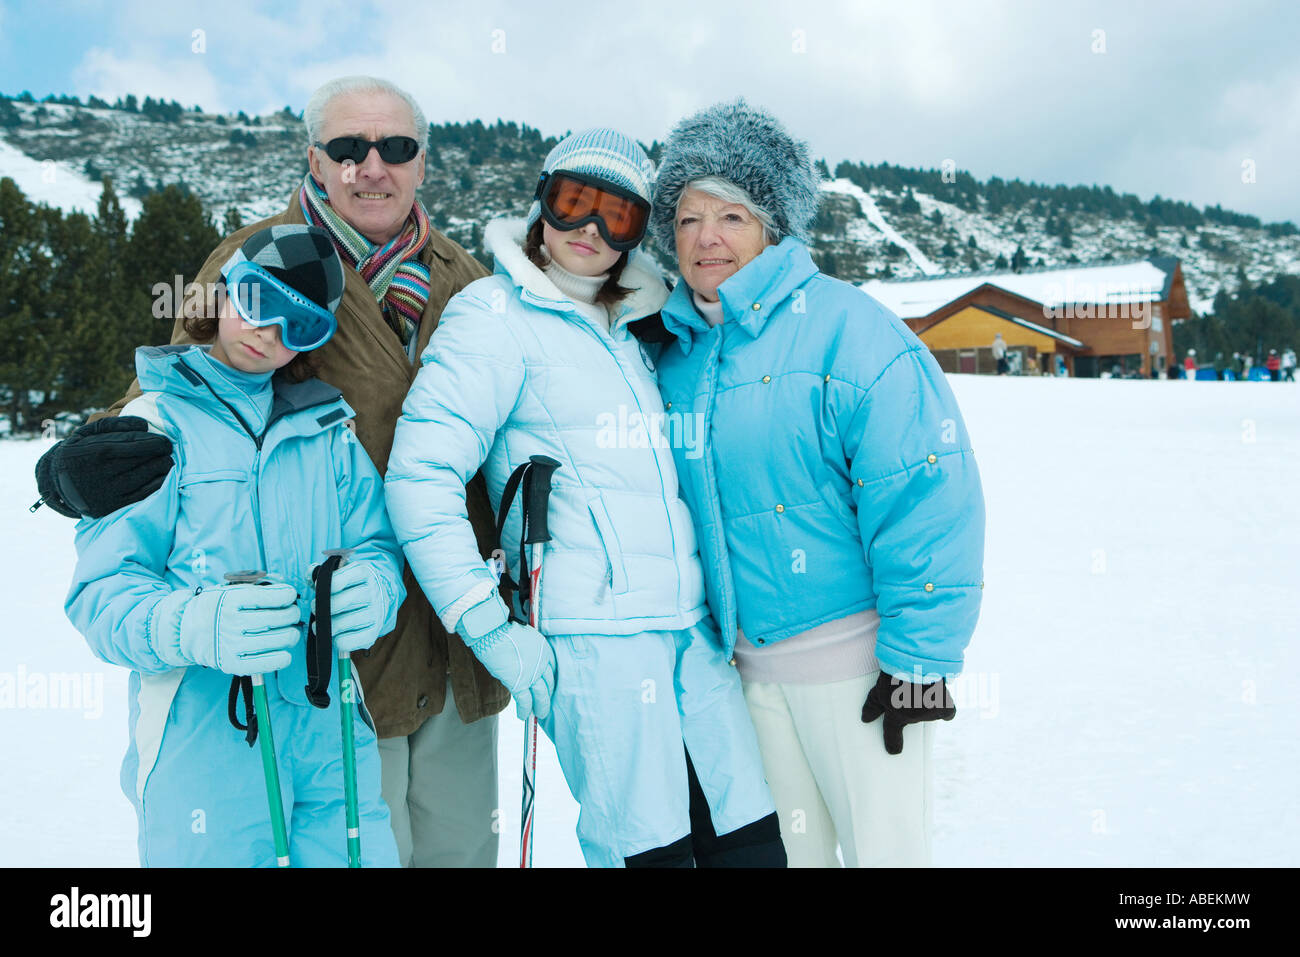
(747, 146)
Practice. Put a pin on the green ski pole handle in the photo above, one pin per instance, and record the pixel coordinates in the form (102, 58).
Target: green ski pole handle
(270, 771)
(347, 697)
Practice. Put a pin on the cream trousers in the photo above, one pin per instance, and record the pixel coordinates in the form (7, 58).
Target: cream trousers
(834, 783)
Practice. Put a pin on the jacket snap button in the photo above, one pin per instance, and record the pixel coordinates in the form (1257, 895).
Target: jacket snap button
(828, 377)
(732, 662)
(767, 378)
(668, 406)
(756, 307)
(929, 586)
(424, 699)
(931, 458)
(780, 508)
(762, 641)
(860, 483)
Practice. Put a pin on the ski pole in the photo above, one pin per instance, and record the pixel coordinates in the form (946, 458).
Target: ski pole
(537, 492)
(270, 769)
(347, 697)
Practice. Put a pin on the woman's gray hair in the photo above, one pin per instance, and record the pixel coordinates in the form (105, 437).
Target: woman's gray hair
(724, 189)
(314, 115)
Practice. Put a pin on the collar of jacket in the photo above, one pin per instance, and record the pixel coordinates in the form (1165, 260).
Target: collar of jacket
(748, 297)
(166, 369)
(504, 239)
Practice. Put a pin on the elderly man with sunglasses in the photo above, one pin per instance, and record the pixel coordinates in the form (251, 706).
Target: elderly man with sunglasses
(432, 703)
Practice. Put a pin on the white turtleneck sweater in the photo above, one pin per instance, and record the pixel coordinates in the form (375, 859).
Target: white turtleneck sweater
(834, 651)
(581, 290)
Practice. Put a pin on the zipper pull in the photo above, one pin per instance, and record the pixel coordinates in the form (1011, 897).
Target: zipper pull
(36, 504)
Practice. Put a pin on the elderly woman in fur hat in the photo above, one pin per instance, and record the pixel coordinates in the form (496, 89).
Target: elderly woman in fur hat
(837, 501)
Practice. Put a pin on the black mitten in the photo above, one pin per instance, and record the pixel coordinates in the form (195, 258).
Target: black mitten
(103, 466)
(903, 703)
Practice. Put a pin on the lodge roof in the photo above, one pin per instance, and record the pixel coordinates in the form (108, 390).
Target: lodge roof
(1138, 280)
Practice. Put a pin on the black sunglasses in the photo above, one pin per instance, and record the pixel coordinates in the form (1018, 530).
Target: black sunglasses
(392, 149)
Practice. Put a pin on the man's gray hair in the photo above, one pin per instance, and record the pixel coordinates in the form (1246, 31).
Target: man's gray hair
(724, 189)
(314, 116)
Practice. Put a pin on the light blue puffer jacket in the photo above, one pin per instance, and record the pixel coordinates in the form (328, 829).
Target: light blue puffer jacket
(514, 370)
(836, 475)
(272, 499)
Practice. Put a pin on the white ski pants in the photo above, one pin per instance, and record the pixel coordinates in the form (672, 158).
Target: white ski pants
(834, 782)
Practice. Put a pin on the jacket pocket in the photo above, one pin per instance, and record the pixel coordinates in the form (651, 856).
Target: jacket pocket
(839, 508)
(609, 541)
(216, 475)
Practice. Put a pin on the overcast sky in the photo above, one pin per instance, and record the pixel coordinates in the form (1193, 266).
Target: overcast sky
(1181, 99)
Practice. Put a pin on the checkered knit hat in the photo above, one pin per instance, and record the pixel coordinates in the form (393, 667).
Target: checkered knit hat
(604, 153)
(302, 257)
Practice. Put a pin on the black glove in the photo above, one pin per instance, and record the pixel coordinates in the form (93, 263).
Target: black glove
(903, 703)
(103, 466)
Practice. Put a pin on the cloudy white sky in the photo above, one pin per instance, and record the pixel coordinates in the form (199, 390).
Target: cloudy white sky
(1171, 98)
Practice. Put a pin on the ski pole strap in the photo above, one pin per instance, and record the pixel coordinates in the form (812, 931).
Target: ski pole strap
(508, 499)
(243, 685)
(535, 478)
(320, 637)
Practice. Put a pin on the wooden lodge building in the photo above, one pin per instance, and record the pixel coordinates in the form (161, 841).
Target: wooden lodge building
(1097, 318)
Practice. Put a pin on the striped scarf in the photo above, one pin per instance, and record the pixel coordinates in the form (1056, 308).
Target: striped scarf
(397, 278)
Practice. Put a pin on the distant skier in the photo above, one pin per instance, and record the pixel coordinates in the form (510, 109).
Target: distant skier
(267, 477)
(1000, 354)
(1189, 364)
(1288, 365)
(1274, 365)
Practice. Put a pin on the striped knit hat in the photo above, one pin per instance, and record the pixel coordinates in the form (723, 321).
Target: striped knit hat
(604, 153)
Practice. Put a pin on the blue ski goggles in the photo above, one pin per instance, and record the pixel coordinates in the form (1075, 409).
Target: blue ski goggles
(262, 300)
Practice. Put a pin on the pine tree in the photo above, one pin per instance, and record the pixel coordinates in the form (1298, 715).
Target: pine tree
(171, 239)
(1018, 259)
(9, 117)
(25, 274)
(232, 221)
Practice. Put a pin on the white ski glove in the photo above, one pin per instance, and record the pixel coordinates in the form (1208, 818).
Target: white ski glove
(241, 629)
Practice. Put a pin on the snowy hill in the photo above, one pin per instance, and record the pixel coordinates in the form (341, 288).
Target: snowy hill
(1129, 696)
(252, 164)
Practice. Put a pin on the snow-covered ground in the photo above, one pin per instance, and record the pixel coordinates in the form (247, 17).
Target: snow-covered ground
(1130, 695)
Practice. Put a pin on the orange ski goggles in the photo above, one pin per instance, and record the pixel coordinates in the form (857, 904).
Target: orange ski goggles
(570, 200)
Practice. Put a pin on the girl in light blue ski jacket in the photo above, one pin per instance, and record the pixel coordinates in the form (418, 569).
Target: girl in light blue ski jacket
(266, 477)
(630, 676)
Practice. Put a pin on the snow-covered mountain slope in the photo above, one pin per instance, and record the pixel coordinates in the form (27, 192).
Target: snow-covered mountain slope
(56, 183)
(476, 172)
